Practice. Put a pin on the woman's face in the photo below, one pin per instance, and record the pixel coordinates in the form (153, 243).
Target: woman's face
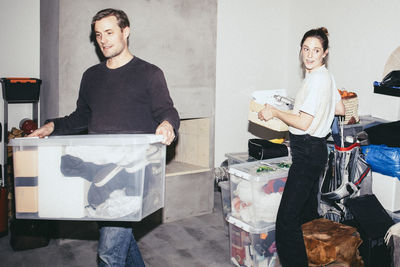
(312, 54)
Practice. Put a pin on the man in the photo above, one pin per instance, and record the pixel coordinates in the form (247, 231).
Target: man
(123, 94)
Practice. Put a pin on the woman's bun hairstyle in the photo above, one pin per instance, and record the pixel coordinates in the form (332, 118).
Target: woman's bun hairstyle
(325, 30)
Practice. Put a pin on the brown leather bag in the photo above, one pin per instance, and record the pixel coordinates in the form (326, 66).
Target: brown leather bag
(330, 243)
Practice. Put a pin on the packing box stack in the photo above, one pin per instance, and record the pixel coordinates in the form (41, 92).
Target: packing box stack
(89, 177)
(255, 193)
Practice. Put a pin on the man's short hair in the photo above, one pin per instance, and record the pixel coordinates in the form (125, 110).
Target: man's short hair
(121, 16)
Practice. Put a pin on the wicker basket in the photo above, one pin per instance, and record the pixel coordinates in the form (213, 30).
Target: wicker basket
(351, 105)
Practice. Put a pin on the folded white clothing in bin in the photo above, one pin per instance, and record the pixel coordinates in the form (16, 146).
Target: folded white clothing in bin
(59, 196)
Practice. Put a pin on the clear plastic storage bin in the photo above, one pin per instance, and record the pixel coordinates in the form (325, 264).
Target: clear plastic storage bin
(89, 177)
(251, 246)
(225, 200)
(365, 122)
(256, 189)
(239, 157)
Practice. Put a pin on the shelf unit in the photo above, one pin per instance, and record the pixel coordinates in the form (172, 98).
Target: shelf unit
(35, 117)
(189, 180)
(15, 91)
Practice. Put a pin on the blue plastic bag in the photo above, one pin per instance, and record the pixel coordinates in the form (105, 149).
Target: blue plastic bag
(383, 159)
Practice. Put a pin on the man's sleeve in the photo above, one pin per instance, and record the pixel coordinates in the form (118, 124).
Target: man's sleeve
(162, 105)
(76, 122)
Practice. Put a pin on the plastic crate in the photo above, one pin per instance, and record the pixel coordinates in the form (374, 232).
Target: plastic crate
(365, 122)
(89, 177)
(225, 200)
(21, 90)
(251, 246)
(237, 158)
(256, 189)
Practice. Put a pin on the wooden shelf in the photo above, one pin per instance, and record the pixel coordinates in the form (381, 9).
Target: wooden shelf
(179, 168)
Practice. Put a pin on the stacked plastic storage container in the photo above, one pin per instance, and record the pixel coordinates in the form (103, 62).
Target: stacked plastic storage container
(252, 246)
(89, 177)
(256, 190)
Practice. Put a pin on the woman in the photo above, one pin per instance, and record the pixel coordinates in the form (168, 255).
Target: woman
(309, 123)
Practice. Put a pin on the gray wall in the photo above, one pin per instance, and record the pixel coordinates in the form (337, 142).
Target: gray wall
(49, 70)
(176, 35)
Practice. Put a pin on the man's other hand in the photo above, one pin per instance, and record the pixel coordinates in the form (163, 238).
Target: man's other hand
(167, 131)
(43, 131)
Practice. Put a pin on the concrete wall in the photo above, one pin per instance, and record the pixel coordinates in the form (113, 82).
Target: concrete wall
(258, 45)
(178, 36)
(49, 67)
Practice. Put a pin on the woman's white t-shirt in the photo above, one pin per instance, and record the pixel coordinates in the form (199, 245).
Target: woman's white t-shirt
(317, 97)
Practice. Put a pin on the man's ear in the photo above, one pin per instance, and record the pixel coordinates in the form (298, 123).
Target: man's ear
(126, 31)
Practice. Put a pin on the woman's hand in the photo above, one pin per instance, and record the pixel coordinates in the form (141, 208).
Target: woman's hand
(266, 113)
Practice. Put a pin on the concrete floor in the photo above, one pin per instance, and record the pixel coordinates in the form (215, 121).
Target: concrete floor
(197, 241)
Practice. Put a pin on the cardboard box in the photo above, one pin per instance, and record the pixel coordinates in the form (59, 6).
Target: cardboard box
(89, 177)
(273, 124)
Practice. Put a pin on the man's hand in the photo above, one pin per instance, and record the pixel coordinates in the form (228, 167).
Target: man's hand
(167, 131)
(43, 131)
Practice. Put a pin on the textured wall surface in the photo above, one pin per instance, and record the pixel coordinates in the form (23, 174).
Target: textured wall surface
(49, 70)
(176, 35)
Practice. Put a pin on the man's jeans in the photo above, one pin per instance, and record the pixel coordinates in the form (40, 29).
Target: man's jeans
(299, 202)
(117, 246)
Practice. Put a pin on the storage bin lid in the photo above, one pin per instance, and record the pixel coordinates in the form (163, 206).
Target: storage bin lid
(262, 170)
(88, 140)
(240, 156)
(224, 185)
(248, 228)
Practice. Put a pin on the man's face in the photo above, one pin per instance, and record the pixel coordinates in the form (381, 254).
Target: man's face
(109, 36)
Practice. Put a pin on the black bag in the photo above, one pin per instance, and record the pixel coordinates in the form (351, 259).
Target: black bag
(391, 79)
(264, 149)
(29, 234)
(385, 134)
(372, 222)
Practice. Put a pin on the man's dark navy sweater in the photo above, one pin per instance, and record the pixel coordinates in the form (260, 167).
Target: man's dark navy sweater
(131, 99)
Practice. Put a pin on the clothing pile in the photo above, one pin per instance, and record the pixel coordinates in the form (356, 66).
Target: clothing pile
(256, 200)
(117, 176)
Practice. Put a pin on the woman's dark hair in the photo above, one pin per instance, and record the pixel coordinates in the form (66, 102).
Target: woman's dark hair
(320, 33)
(121, 16)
